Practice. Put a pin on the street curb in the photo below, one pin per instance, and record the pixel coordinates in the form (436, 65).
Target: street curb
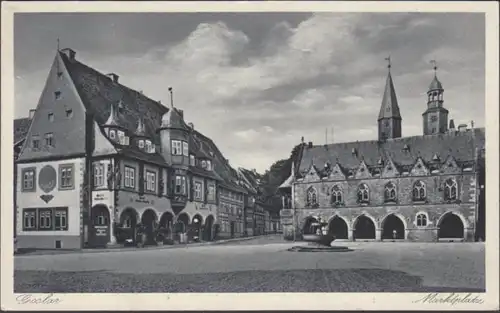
(122, 249)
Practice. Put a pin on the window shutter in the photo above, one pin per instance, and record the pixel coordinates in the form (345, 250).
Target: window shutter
(205, 185)
(160, 182)
(191, 188)
(142, 181)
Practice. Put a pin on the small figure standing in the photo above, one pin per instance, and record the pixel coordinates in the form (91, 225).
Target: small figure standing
(394, 234)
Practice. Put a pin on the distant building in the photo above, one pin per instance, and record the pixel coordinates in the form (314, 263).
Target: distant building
(101, 162)
(419, 188)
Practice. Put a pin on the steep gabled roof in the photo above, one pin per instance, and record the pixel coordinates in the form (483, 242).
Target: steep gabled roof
(389, 107)
(21, 127)
(461, 145)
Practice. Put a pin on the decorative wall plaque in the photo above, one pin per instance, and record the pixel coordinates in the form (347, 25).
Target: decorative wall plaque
(47, 179)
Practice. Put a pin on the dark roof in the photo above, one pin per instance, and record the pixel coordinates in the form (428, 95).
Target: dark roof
(98, 91)
(21, 127)
(389, 107)
(460, 145)
(435, 84)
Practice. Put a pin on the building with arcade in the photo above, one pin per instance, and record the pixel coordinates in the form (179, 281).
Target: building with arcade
(419, 188)
(100, 161)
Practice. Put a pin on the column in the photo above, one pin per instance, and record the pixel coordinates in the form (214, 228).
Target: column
(378, 234)
(350, 234)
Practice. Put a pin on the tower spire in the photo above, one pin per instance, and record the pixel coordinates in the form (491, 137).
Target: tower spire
(389, 118)
(433, 62)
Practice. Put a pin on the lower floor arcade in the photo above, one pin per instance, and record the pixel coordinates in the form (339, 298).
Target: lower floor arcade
(148, 227)
(450, 226)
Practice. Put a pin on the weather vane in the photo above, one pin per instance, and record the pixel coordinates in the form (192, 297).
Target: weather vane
(433, 62)
(388, 59)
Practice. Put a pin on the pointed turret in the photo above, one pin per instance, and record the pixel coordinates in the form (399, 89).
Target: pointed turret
(436, 116)
(112, 119)
(389, 118)
(141, 129)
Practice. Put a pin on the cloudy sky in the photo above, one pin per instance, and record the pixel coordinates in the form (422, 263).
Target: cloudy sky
(257, 82)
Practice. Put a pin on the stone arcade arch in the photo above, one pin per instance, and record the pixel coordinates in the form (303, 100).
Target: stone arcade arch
(149, 221)
(197, 226)
(338, 227)
(181, 225)
(364, 228)
(392, 223)
(451, 226)
(208, 229)
(307, 228)
(99, 226)
(128, 221)
(166, 223)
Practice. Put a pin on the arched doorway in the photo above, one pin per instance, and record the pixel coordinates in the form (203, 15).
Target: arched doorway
(166, 226)
(364, 228)
(149, 223)
(207, 233)
(181, 226)
(393, 228)
(128, 226)
(308, 225)
(451, 226)
(99, 229)
(197, 227)
(338, 227)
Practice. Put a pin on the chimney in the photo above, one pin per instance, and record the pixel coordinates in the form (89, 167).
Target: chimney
(31, 114)
(462, 127)
(310, 144)
(452, 124)
(113, 77)
(181, 113)
(69, 53)
(191, 125)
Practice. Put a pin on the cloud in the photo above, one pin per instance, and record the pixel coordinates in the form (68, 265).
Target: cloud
(256, 93)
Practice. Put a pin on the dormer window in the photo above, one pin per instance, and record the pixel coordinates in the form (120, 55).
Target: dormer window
(406, 148)
(192, 160)
(121, 137)
(112, 134)
(148, 146)
(209, 165)
(141, 144)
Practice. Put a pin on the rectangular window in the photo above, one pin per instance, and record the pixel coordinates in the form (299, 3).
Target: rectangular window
(28, 183)
(51, 117)
(192, 160)
(148, 146)
(185, 148)
(69, 113)
(176, 147)
(129, 177)
(45, 219)
(141, 144)
(98, 175)
(29, 219)
(150, 181)
(35, 143)
(180, 185)
(112, 134)
(211, 193)
(209, 165)
(57, 95)
(61, 219)
(197, 190)
(49, 140)
(66, 176)
(121, 137)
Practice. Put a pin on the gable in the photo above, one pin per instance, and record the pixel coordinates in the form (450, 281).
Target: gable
(450, 166)
(419, 169)
(337, 173)
(102, 145)
(390, 169)
(59, 97)
(312, 174)
(362, 171)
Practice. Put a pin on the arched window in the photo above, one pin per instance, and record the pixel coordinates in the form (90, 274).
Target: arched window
(363, 193)
(421, 220)
(390, 192)
(450, 189)
(312, 196)
(336, 195)
(419, 193)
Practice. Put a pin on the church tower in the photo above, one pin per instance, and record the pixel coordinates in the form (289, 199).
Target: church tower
(389, 118)
(435, 118)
